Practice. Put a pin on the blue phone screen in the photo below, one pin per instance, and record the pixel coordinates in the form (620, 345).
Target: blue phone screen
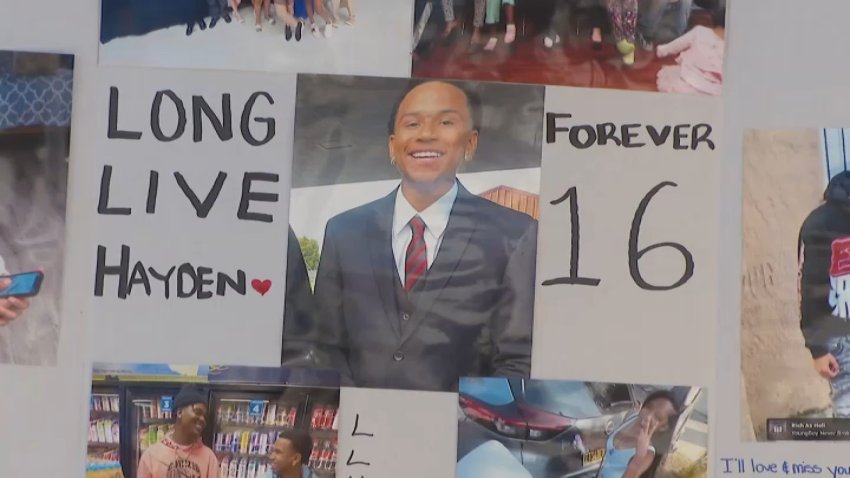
(21, 284)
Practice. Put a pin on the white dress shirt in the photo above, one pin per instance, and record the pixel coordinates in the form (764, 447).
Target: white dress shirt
(436, 218)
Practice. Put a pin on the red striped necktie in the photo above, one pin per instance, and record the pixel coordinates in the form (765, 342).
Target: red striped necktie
(416, 259)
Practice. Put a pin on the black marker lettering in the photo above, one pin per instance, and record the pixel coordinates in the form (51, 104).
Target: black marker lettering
(658, 138)
(551, 127)
(204, 294)
(164, 278)
(112, 131)
(248, 196)
(679, 135)
(628, 135)
(701, 134)
(103, 201)
(138, 276)
(121, 270)
(224, 280)
(607, 131)
(184, 270)
(223, 127)
(575, 138)
(153, 185)
(202, 209)
(246, 117)
(156, 127)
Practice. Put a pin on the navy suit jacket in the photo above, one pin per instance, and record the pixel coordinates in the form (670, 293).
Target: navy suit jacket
(472, 312)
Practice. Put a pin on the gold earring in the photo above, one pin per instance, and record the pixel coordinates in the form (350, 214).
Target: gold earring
(392, 159)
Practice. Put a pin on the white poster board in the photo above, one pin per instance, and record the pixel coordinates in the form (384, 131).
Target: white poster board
(191, 231)
(628, 249)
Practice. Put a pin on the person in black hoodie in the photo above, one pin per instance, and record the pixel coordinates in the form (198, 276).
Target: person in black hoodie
(824, 288)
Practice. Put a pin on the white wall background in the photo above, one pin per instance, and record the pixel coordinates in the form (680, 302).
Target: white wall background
(781, 72)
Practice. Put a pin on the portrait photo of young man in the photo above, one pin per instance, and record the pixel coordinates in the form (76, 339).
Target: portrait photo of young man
(431, 278)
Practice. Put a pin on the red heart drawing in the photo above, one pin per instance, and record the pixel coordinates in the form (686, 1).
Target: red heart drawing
(261, 286)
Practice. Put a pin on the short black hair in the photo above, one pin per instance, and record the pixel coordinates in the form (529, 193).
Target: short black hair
(663, 395)
(473, 102)
(301, 441)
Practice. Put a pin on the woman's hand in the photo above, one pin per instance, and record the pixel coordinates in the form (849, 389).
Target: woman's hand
(648, 426)
(11, 307)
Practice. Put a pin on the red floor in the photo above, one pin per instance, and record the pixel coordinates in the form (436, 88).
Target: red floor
(527, 61)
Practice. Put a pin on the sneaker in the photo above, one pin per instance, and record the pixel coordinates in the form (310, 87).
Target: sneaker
(327, 31)
(549, 42)
(314, 30)
(298, 29)
(491, 44)
(287, 32)
(510, 34)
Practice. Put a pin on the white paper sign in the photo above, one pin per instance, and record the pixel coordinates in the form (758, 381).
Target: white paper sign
(189, 256)
(627, 252)
(390, 433)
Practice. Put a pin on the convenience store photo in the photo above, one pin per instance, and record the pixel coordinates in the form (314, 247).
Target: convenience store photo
(134, 407)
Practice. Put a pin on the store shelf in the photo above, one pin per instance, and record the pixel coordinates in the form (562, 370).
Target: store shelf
(98, 444)
(323, 431)
(157, 421)
(255, 427)
(242, 455)
(93, 414)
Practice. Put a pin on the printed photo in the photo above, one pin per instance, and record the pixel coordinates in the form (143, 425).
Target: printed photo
(670, 46)
(795, 304)
(35, 133)
(415, 205)
(522, 428)
(211, 421)
(316, 36)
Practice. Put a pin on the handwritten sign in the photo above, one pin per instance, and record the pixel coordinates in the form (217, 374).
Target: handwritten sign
(740, 466)
(627, 242)
(385, 433)
(192, 212)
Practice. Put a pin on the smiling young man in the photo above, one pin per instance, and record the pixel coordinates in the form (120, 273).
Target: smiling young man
(182, 454)
(290, 455)
(431, 282)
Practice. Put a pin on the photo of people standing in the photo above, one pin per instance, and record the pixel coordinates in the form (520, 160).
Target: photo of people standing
(150, 420)
(795, 337)
(671, 46)
(558, 428)
(35, 124)
(326, 36)
(415, 206)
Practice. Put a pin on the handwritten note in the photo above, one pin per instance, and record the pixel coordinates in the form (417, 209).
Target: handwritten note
(755, 466)
(390, 433)
(627, 242)
(192, 216)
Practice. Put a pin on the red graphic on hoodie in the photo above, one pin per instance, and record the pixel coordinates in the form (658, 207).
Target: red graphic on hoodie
(840, 261)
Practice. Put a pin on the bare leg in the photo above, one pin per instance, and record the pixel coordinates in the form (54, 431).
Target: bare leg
(269, 9)
(284, 11)
(510, 30)
(258, 14)
(234, 5)
(478, 21)
(449, 15)
(349, 5)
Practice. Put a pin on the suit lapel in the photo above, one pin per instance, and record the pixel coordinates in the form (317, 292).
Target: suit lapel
(384, 268)
(459, 230)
